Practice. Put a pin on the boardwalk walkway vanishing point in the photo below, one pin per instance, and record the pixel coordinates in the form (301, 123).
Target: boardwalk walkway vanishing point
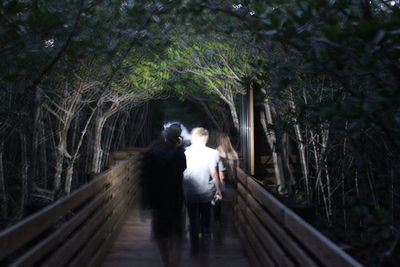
(134, 248)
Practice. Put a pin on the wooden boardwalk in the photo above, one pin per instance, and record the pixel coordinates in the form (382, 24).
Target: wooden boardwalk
(134, 248)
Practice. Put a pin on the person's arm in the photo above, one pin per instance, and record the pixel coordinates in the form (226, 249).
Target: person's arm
(221, 175)
(221, 170)
(217, 182)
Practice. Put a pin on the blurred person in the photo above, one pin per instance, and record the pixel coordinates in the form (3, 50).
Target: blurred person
(227, 174)
(216, 204)
(228, 155)
(201, 184)
(164, 164)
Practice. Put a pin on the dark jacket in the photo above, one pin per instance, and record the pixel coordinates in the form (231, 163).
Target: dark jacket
(162, 178)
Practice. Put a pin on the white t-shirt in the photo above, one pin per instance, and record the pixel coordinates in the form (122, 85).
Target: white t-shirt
(197, 181)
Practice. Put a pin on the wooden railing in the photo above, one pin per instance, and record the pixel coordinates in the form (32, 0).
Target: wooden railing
(273, 235)
(75, 230)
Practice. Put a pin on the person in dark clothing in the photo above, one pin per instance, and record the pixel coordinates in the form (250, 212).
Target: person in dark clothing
(164, 164)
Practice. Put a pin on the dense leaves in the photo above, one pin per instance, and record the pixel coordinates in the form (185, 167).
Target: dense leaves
(64, 76)
(326, 77)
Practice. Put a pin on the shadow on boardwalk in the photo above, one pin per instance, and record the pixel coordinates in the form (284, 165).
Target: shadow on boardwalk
(133, 246)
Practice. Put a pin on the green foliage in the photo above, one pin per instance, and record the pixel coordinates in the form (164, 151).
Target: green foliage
(338, 61)
(150, 75)
(33, 34)
(211, 63)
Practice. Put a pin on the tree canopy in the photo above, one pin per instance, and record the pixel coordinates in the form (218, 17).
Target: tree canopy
(78, 78)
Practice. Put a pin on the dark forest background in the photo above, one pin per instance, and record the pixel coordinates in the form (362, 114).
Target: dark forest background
(80, 79)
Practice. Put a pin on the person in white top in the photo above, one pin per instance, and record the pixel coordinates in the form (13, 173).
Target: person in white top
(201, 184)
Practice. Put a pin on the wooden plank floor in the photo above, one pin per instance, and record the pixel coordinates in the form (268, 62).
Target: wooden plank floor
(134, 248)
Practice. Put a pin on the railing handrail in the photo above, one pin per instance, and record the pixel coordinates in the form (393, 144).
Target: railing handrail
(38, 238)
(300, 242)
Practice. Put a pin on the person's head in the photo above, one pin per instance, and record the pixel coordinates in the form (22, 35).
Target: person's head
(199, 136)
(172, 134)
(224, 141)
(224, 147)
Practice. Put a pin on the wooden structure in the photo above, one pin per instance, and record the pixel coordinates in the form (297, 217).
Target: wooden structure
(247, 132)
(273, 235)
(75, 230)
(133, 246)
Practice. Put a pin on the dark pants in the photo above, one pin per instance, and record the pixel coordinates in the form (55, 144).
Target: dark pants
(200, 223)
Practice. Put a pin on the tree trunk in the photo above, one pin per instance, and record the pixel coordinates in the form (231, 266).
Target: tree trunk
(97, 150)
(371, 183)
(318, 169)
(357, 184)
(302, 151)
(343, 181)
(266, 118)
(70, 168)
(59, 164)
(325, 137)
(69, 173)
(43, 157)
(68, 109)
(285, 144)
(24, 176)
(35, 159)
(235, 117)
(209, 114)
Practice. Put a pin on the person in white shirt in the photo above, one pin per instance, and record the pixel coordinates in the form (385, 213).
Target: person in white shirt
(201, 184)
